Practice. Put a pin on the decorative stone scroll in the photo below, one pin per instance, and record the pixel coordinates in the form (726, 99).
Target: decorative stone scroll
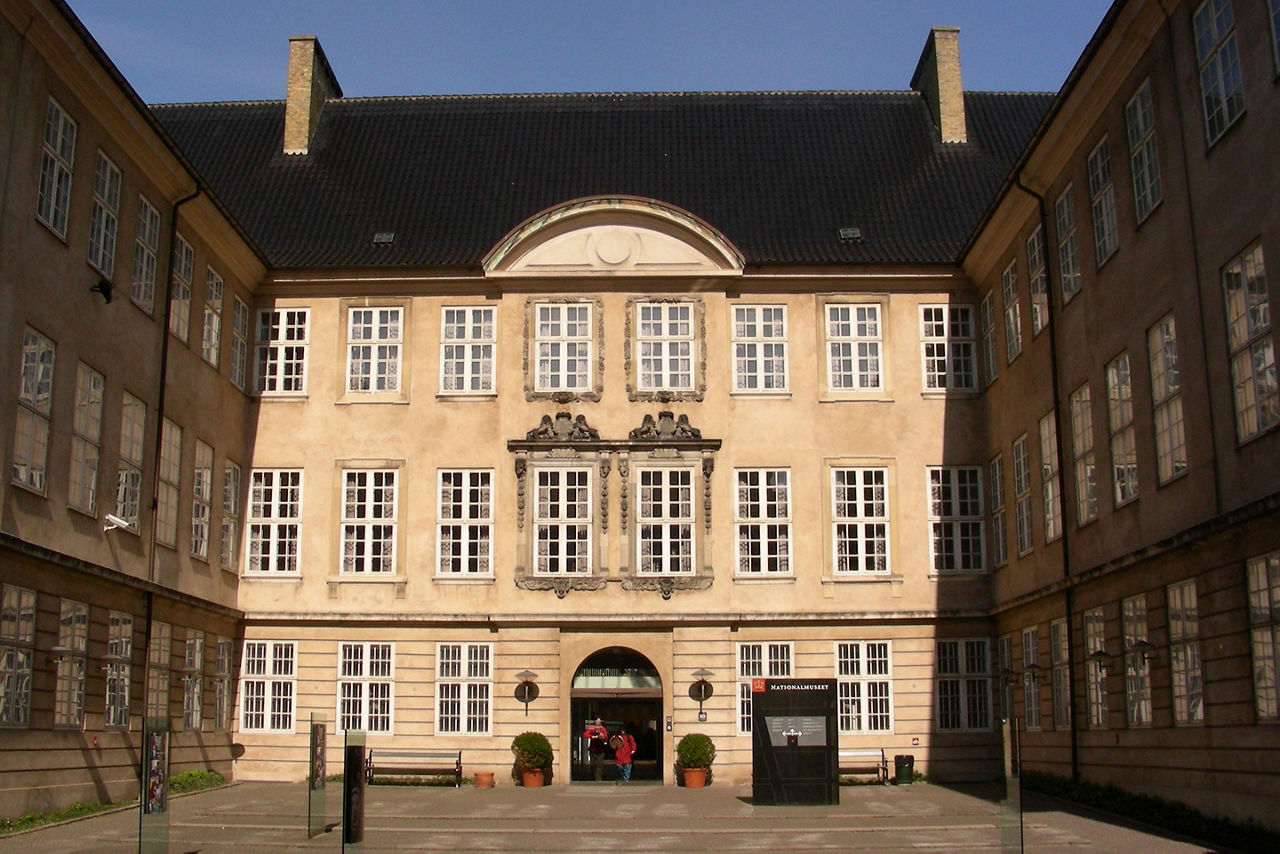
(667, 584)
(561, 584)
(565, 428)
(667, 428)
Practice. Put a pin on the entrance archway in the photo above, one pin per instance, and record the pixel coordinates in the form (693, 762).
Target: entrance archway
(622, 688)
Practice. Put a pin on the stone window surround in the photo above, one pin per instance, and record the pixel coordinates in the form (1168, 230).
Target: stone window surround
(530, 359)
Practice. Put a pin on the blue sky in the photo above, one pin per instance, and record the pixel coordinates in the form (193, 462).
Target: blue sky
(182, 50)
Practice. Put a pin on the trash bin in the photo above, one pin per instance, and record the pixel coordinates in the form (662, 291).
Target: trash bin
(904, 769)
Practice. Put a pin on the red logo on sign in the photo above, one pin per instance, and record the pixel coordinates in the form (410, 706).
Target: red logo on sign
(757, 686)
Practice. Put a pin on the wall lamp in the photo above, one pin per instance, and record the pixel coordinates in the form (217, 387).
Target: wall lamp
(701, 690)
(1100, 658)
(527, 690)
(1146, 649)
(103, 287)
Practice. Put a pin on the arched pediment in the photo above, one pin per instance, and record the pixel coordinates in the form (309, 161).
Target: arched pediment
(613, 236)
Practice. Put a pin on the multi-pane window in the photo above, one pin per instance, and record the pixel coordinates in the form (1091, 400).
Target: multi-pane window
(759, 661)
(1095, 641)
(1221, 85)
(1031, 677)
(562, 521)
(230, 515)
(863, 697)
(159, 662)
(1124, 449)
(987, 317)
(239, 342)
(1038, 281)
(56, 161)
(146, 247)
(374, 338)
(759, 348)
(1004, 665)
(1012, 312)
(222, 684)
(73, 644)
(180, 296)
(1184, 653)
(1137, 669)
(119, 669)
(104, 216)
(31, 424)
(368, 521)
(1102, 201)
(665, 346)
(762, 516)
(464, 688)
(366, 679)
(275, 520)
(664, 521)
(211, 335)
(853, 347)
(283, 337)
(564, 345)
(860, 519)
(1058, 657)
(268, 676)
(1166, 400)
(17, 643)
(1022, 494)
(955, 518)
(1050, 483)
(82, 490)
(1264, 631)
(468, 338)
(193, 680)
(464, 522)
(1253, 361)
(201, 499)
(133, 421)
(1144, 157)
(167, 489)
(947, 347)
(963, 684)
(999, 519)
(1064, 215)
(1082, 455)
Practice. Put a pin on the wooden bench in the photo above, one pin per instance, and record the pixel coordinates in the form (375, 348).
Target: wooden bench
(386, 762)
(868, 761)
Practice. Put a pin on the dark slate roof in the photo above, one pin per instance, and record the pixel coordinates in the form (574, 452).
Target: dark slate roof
(777, 173)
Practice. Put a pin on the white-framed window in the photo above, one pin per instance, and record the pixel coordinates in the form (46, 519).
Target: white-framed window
(999, 517)
(1124, 448)
(864, 695)
(230, 515)
(760, 348)
(193, 680)
(159, 666)
(955, 518)
(1058, 649)
(31, 424)
(853, 347)
(1022, 494)
(1264, 633)
(222, 684)
(1137, 669)
(1082, 455)
(1102, 201)
(268, 677)
(860, 519)
(468, 341)
(283, 340)
(119, 669)
(1253, 360)
(57, 160)
(104, 216)
(1050, 483)
(1012, 312)
(563, 520)
(564, 342)
(1221, 84)
(666, 346)
(170, 478)
(1037, 281)
(86, 439)
(239, 342)
(374, 340)
(1095, 640)
(1031, 677)
(1004, 666)
(963, 684)
(769, 660)
(464, 523)
(366, 686)
(762, 518)
(133, 422)
(947, 347)
(1064, 214)
(17, 650)
(180, 298)
(73, 645)
(1144, 155)
(369, 518)
(146, 248)
(464, 688)
(1184, 653)
(664, 521)
(201, 499)
(275, 521)
(987, 318)
(211, 335)
(1166, 400)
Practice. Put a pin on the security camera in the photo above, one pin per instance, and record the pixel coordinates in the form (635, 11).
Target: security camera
(113, 521)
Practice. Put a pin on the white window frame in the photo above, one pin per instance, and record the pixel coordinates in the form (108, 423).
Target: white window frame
(1082, 455)
(1012, 312)
(564, 347)
(947, 351)
(760, 344)
(760, 660)
(1264, 633)
(1059, 644)
(268, 686)
(232, 479)
(990, 350)
(146, 249)
(201, 500)
(864, 686)
(666, 342)
(284, 337)
(183, 269)
(17, 654)
(211, 326)
(1185, 673)
(168, 488)
(860, 526)
(665, 523)
(999, 516)
(239, 343)
(464, 672)
(32, 423)
(563, 522)
(86, 440)
(119, 668)
(464, 523)
(1031, 678)
(956, 543)
(159, 669)
(1022, 495)
(193, 681)
(133, 424)
(104, 216)
(1102, 203)
(1095, 640)
(468, 350)
(57, 164)
(855, 356)
(1252, 350)
(375, 344)
(1050, 481)
(1124, 446)
(1137, 667)
(962, 681)
(70, 655)
(222, 698)
(1038, 281)
(1064, 212)
(274, 528)
(370, 517)
(1144, 152)
(762, 522)
(1166, 400)
(1221, 84)
(366, 687)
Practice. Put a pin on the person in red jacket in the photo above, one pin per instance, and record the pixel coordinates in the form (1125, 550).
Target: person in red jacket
(597, 742)
(624, 748)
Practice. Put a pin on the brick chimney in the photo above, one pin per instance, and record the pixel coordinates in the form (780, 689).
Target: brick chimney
(937, 78)
(311, 81)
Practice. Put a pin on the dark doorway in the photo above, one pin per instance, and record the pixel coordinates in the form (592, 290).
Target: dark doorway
(622, 688)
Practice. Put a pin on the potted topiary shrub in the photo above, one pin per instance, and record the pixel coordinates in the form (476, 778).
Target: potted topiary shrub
(533, 757)
(694, 754)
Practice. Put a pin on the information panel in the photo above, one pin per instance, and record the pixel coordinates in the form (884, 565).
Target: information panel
(794, 741)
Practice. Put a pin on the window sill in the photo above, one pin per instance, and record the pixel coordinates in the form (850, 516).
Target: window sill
(358, 398)
(1240, 442)
(864, 578)
(958, 574)
(479, 580)
(765, 579)
(466, 395)
(28, 488)
(854, 397)
(770, 394)
(280, 397)
(951, 394)
(1173, 478)
(263, 576)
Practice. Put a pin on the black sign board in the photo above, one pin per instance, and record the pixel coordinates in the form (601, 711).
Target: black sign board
(794, 741)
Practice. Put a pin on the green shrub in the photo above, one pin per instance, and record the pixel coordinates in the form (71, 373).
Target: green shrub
(532, 751)
(195, 780)
(696, 750)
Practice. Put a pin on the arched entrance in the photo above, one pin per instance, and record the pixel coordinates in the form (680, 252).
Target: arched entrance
(622, 688)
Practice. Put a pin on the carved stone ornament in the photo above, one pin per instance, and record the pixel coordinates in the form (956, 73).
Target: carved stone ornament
(667, 428)
(565, 428)
(604, 495)
(667, 584)
(560, 584)
(596, 345)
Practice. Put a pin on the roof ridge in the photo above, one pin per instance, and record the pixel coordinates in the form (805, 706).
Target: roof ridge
(249, 103)
(658, 94)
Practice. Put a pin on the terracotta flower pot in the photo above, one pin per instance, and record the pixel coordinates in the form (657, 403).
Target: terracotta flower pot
(531, 779)
(695, 778)
(484, 779)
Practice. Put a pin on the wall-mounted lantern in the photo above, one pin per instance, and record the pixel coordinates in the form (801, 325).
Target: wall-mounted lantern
(527, 690)
(701, 691)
